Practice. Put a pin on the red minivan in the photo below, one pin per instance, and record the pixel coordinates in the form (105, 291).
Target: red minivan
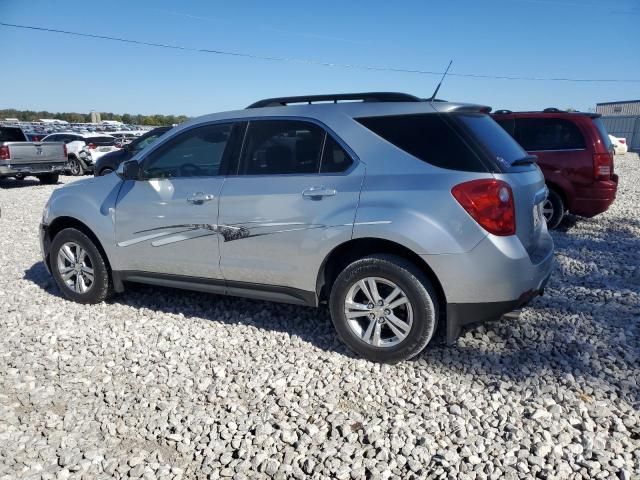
(575, 155)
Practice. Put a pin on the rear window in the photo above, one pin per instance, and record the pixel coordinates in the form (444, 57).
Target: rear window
(497, 142)
(539, 134)
(427, 137)
(100, 140)
(604, 135)
(11, 134)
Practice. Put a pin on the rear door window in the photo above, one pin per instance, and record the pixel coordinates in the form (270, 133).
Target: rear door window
(428, 137)
(540, 134)
(334, 157)
(278, 147)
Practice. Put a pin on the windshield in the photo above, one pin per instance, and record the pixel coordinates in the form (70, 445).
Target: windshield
(499, 144)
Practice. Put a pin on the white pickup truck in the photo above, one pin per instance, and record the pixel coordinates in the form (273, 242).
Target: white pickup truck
(20, 158)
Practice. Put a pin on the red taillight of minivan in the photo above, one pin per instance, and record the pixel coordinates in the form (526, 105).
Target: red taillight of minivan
(603, 165)
(4, 153)
(490, 203)
(65, 151)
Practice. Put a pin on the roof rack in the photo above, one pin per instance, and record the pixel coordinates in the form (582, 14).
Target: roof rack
(335, 98)
(502, 112)
(552, 110)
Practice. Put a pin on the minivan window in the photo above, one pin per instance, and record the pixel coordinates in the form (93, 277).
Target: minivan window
(281, 147)
(604, 135)
(427, 137)
(539, 134)
(195, 153)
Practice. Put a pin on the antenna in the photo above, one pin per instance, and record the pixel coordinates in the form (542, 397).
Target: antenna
(433, 97)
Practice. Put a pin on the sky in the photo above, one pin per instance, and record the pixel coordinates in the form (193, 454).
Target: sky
(532, 38)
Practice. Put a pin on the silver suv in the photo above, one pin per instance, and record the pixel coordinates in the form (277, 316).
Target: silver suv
(405, 216)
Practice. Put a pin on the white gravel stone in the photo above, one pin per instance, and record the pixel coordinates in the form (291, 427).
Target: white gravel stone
(169, 384)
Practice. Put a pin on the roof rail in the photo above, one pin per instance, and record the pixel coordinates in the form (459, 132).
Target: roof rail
(335, 98)
(502, 112)
(552, 110)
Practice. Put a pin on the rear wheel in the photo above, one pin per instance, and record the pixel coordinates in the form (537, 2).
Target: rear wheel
(106, 171)
(384, 308)
(79, 268)
(553, 209)
(49, 178)
(75, 167)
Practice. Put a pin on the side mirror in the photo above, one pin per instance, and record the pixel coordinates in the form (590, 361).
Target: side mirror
(129, 170)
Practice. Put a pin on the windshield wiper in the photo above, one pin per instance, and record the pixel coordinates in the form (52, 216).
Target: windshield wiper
(526, 160)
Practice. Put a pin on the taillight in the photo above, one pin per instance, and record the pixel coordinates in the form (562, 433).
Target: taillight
(490, 203)
(4, 153)
(92, 146)
(603, 165)
(622, 140)
(64, 147)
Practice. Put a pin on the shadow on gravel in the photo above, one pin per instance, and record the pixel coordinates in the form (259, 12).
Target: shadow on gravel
(587, 325)
(8, 183)
(556, 344)
(309, 324)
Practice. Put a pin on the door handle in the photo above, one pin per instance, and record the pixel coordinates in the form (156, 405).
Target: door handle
(319, 192)
(199, 198)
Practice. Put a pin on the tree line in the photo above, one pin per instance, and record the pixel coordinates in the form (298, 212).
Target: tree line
(74, 117)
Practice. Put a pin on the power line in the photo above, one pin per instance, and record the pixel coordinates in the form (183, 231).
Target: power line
(318, 62)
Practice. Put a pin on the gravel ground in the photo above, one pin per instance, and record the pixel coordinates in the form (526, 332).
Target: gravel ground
(161, 383)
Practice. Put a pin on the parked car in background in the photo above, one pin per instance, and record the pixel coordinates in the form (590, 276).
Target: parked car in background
(20, 158)
(620, 146)
(397, 212)
(575, 155)
(34, 136)
(109, 162)
(96, 146)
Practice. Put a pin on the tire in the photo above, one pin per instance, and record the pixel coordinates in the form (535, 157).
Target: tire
(49, 178)
(553, 210)
(19, 177)
(100, 288)
(75, 167)
(419, 313)
(105, 171)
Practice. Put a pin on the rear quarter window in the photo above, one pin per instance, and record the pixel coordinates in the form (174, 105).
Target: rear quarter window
(427, 137)
(540, 134)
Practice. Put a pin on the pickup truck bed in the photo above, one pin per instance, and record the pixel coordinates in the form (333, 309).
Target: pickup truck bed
(19, 158)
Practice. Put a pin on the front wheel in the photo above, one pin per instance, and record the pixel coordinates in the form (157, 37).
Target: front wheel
(105, 171)
(384, 308)
(79, 268)
(553, 209)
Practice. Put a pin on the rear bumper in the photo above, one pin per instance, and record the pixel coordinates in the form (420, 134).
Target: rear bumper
(596, 198)
(11, 170)
(494, 278)
(460, 315)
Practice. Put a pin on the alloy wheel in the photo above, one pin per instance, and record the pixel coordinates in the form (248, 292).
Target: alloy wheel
(378, 311)
(75, 267)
